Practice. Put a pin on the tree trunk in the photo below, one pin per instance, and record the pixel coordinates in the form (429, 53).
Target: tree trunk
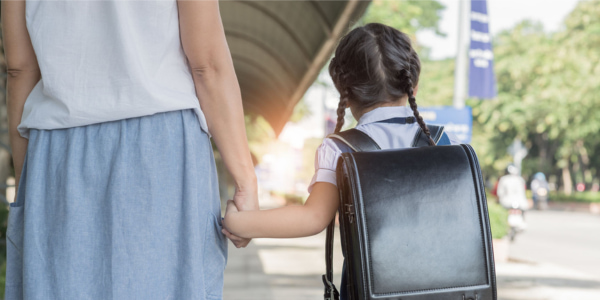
(585, 163)
(567, 181)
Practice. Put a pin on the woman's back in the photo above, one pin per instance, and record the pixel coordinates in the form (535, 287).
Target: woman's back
(106, 60)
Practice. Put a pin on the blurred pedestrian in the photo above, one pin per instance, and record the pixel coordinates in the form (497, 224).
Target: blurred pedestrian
(539, 190)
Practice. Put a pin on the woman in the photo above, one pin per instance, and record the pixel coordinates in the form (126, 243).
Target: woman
(110, 107)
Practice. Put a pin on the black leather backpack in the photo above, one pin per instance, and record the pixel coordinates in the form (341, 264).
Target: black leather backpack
(414, 223)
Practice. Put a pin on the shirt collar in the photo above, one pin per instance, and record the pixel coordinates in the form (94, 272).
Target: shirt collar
(384, 113)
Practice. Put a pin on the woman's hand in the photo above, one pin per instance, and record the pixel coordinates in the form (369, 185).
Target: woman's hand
(230, 211)
(245, 199)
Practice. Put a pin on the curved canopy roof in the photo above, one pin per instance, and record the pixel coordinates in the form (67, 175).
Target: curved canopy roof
(279, 47)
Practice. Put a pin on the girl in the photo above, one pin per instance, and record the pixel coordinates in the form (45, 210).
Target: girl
(376, 71)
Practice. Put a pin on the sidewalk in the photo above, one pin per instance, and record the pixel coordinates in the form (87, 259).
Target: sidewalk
(279, 269)
(270, 269)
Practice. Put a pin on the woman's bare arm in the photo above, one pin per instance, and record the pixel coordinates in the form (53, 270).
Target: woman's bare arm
(289, 221)
(203, 40)
(23, 74)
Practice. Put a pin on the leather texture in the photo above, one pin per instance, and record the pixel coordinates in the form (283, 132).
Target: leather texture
(414, 223)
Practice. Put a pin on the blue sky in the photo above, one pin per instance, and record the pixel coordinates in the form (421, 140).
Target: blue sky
(503, 14)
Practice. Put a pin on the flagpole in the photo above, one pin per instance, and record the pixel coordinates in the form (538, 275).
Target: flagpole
(460, 69)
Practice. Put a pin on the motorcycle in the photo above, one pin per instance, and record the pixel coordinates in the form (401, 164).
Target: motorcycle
(516, 220)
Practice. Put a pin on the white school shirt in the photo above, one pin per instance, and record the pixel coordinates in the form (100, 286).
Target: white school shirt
(386, 135)
(106, 60)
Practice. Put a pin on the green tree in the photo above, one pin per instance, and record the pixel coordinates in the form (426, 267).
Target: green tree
(436, 82)
(548, 87)
(408, 16)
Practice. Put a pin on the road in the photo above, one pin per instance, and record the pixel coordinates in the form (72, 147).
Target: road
(556, 258)
(567, 239)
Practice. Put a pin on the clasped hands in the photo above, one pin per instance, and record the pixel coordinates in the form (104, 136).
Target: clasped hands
(239, 242)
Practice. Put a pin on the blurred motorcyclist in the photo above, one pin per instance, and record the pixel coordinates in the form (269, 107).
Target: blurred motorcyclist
(539, 189)
(511, 189)
(511, 194)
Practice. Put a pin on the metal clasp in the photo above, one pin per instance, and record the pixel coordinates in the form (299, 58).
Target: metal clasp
(470, 298)
(330, 290)
(350, 212)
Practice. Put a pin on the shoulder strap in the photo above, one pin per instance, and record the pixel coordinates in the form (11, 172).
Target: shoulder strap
(357, 140)
(421, 140)
(444, 140)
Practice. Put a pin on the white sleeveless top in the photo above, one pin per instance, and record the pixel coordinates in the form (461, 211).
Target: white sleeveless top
(106, 60)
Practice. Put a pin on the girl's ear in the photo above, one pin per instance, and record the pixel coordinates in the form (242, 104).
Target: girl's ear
(415, 90)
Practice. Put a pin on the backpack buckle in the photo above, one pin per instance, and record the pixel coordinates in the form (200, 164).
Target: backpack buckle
(410, 120)
(331, 293)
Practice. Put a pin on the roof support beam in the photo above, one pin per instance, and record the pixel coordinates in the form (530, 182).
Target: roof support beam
(284, 65)
(322, 18)
(291, 33)
(285, 90)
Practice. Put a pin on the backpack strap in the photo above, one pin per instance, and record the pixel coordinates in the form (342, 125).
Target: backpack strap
(331, 293)
(444, 140)
(357, 140)
(421, 139)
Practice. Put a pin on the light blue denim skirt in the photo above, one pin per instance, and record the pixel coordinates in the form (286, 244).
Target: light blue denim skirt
(126, 209)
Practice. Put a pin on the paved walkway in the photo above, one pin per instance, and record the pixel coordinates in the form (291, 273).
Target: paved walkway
(278, 269)
(291, 269)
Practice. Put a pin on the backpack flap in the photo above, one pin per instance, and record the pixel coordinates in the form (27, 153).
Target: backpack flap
(415, 224)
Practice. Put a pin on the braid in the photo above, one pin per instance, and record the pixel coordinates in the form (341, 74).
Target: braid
(341, 112)
(413, 105)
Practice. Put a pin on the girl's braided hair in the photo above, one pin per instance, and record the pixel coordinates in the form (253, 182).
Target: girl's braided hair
(375, 63)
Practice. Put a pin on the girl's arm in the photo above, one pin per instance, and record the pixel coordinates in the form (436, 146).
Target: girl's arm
(289, 221)
(204, 44)
(23, 74)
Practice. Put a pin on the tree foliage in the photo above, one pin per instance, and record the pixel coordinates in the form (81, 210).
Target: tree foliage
(548, 96)
(548, 90)
(408, 16)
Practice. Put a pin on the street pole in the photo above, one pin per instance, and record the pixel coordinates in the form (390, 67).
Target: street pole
(460, 68)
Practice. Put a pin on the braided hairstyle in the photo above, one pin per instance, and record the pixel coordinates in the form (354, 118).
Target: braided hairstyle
(375, 64)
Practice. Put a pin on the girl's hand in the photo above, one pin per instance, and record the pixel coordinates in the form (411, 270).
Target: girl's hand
(229, 211)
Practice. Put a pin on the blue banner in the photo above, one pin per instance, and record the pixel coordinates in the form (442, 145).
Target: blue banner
(482, 81)
(457, 121)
